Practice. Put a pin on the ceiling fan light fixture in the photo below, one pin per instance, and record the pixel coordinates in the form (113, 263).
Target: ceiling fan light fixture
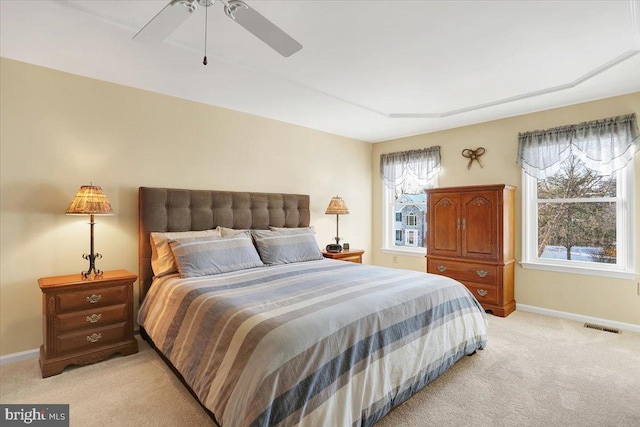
(206, 3)
(232, 6)
(191, 5)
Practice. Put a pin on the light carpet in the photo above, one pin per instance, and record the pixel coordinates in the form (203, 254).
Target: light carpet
(535, 371)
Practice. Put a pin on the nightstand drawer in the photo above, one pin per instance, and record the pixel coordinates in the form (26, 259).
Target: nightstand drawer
(91, 338)
(480, 273)
(91, 318)
(86, 300)
(485, 294)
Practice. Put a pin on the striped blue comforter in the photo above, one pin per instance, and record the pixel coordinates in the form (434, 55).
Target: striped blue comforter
(319, 343)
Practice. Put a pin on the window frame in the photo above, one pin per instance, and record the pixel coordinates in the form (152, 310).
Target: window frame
(388, 226)
(411, 218)
(625, 207)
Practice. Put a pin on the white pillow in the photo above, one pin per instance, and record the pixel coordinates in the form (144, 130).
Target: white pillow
(224, 231)
(162, 259)
(310, 229)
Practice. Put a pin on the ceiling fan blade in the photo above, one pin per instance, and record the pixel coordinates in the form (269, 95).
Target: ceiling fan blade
(166, 21)
(262, 28)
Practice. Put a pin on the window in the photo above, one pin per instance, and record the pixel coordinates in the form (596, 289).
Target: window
(405, 177)
(412, 238)
(411, 218)
(577, 215)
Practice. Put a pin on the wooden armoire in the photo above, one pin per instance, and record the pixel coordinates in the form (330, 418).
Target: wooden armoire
(470, 239)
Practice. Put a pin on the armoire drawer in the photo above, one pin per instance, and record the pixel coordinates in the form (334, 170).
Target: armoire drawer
(485, 294)
(468, 271)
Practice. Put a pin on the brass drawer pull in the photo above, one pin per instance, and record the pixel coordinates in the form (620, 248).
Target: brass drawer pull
(482, 292)
(94, 337)
(482, 273)
(94, 318)
(94, 298)
(442, 268)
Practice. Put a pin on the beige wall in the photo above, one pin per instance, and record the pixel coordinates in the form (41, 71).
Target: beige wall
(59, 131)
(600, 297)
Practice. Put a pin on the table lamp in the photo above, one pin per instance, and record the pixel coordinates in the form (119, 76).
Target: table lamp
(90, 200)
(337, 207)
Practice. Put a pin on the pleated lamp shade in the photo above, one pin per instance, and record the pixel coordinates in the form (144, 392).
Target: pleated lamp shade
(90, 200)
(337, 206)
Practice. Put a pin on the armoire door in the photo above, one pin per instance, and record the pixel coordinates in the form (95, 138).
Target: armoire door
(480, 221)
(444, 224)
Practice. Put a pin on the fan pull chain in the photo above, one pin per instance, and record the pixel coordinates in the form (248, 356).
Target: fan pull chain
(206, 21)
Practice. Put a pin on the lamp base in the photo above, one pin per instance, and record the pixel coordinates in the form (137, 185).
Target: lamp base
(333, 248)
(92, 265)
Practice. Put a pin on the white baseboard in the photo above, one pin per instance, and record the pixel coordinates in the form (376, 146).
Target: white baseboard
(579, 318)
(19, 357)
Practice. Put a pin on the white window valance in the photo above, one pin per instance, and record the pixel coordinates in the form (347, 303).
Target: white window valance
(604, 146)
(419, 164)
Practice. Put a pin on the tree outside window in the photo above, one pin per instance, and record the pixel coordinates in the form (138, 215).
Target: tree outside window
(577, 215)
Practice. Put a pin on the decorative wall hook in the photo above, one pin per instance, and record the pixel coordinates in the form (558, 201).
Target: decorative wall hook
(473, 155)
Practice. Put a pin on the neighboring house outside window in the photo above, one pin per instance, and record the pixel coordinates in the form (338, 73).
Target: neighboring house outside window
(578, 211)
(412, 224)
(405, 177)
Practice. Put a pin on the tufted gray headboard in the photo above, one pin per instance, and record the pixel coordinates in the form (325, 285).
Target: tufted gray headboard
(168, 209)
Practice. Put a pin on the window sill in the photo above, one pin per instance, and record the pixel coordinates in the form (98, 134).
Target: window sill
(579, 270)
(418, 252)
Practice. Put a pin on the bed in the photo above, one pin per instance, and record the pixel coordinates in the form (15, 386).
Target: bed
(306, 341)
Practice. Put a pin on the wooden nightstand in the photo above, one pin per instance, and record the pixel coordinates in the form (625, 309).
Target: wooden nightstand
(86, 320)
(354, 255)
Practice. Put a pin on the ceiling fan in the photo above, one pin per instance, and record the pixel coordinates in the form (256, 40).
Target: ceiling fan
(177, 11)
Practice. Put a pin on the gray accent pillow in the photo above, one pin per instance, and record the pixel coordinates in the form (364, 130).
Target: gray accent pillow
(284, 247)
(162, 261)
(204, 256)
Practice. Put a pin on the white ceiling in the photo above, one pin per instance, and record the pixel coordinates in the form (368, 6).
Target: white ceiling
(369, 70)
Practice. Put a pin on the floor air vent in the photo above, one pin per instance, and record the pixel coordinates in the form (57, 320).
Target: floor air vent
(602, 328)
